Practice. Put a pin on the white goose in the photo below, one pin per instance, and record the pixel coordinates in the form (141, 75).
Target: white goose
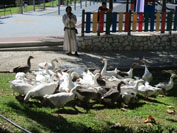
(50, 65)
(42, 89)
(133, 87)
(45, 74)
(66, 83)
(20, 87)
(129, 92)
(167, 86)
(89, 81)
(104, 72)
(148, 90)
(147, 76)
(20, 76)
(60, 99)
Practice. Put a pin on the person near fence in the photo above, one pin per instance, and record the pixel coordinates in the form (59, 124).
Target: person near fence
(70, 39)
(103, 9)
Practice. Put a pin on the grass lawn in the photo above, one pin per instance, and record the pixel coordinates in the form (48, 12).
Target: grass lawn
(16, 10)
(37, 118)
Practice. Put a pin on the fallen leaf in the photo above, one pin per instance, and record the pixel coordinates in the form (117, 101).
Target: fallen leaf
(170, 111)
(161, 95)
(149, 124)
(150, 119)
(117, 125)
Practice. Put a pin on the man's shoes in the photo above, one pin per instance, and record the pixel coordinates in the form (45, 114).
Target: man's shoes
(76, 54)
(69, 53)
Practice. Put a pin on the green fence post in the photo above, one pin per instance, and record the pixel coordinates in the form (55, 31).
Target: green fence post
(108, 22)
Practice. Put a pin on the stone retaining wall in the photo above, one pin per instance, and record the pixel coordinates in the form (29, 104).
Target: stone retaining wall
(127, 43)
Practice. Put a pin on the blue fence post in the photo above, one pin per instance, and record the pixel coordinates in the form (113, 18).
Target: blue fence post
(88, 22)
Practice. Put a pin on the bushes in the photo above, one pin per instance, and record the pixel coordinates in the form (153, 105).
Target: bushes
(8, 2)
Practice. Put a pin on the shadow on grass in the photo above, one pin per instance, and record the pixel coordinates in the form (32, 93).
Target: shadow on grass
(151, 100)
(3, 130)
(37, 102)
(172, 120)
(51, 122)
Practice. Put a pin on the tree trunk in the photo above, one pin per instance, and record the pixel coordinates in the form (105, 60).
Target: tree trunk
(110, 4)
(127, 6)
(164, 6)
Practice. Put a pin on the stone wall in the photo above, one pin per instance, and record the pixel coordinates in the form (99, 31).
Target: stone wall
(127, 43)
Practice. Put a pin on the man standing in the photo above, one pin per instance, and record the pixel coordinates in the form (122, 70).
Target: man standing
(70, 40)
(102, 9)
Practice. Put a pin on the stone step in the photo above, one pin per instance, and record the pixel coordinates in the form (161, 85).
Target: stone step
(30, 44)
(35, 48)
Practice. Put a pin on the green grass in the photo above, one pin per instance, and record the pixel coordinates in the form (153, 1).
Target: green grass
(16, 10)
(37, 118)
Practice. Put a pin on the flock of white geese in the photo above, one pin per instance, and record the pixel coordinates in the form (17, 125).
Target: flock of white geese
(61, 86)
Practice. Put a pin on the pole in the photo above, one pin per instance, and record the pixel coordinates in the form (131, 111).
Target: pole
(52, 4)
(164, 6)
(85, 3)
(59, 2)
(44, 4)
(110, 4)
(129, 28)
(21, 6)
(74, 4)
(34, 6)
(127, 6)
(83, 21)
(80, 3)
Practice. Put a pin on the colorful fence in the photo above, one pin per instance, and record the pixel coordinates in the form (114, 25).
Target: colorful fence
(128, 22)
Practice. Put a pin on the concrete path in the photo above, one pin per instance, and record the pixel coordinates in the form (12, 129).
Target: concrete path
(121, 60)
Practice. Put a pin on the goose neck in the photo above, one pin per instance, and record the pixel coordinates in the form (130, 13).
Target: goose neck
(29, 62)
(52, 62)
(137, 84)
